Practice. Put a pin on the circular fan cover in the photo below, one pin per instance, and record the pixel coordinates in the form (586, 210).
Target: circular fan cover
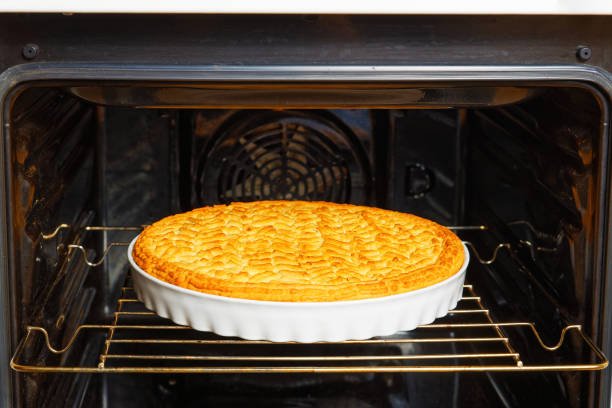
(284, 156)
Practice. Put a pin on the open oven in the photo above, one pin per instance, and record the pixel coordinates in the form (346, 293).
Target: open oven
(104, 131)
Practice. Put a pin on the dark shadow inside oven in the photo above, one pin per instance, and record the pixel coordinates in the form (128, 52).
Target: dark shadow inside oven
(524, 161)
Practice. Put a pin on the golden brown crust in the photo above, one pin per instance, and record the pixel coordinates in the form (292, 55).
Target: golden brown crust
(296, 251)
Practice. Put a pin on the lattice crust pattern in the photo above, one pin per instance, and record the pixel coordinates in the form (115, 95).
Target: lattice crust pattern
(298, 251)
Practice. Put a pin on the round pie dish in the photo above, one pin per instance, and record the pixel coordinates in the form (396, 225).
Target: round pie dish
(305, 322)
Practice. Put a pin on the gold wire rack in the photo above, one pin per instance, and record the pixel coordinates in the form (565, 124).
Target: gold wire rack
(466, 340)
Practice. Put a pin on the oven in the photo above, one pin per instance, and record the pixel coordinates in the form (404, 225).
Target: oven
(498, 127)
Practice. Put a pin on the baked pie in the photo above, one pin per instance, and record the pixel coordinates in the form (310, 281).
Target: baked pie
(297, 251)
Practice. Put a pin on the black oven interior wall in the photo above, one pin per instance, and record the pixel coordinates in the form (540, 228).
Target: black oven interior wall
(528, 171)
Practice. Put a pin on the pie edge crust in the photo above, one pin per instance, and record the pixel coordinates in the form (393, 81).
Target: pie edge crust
(449, 262)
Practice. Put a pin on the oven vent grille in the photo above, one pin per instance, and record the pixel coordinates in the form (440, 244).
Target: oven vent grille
(282, 156)
(468, 339)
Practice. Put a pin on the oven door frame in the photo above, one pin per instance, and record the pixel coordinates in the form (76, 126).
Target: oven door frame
(597, 80)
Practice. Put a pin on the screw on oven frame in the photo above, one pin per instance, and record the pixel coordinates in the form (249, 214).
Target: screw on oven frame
(30, 51)
(584, 53)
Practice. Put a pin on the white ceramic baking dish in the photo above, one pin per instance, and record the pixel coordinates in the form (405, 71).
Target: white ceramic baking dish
(298, 321)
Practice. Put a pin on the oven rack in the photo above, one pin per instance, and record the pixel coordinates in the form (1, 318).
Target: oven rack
(79, 248)
(466, 340)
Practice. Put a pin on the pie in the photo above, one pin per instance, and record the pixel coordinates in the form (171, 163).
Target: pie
(298, 251)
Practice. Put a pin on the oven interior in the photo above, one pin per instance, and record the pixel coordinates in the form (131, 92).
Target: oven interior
(526, 161)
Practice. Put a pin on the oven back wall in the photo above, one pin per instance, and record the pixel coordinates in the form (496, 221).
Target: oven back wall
(140, 168)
